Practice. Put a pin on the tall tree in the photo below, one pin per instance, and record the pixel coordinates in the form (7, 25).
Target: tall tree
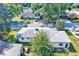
(51, 11)
(7, 11)
(41, 45)
(4, 15)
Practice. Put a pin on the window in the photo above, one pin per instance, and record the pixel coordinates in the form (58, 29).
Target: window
(66, 45)
(28, 38)
(22, 38)
(60, 44)
(36, 29)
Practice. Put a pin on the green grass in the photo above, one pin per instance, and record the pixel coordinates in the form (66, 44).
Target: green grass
(17, 19)
(30, 21)
(76, 9)
(26, 43)
(75, 20)
(60, 54)
(14, 33)
(75, 42)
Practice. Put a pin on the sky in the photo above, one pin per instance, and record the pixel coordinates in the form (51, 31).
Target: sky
(39, 1)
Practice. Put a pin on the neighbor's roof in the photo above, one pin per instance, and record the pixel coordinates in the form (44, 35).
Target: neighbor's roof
(9, 49)
(59, 36)
(72, 12)
(14, 51)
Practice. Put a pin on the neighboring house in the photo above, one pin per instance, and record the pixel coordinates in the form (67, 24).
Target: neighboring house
(58, 39)
(27, 13)
(72, 14)
(7, 49)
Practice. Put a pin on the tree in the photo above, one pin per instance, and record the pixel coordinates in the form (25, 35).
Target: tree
(54, 11)
(4, 24)
(7, 11)
(14, 9)
(41, 45)
(51, 11)
(60, 25)
(36, 6)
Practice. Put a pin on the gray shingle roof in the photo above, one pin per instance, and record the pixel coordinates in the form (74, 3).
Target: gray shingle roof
(59, 36)
(53, 34)
(2, 46)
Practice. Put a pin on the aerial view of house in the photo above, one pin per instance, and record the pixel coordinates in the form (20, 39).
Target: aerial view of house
(39, 29)
(26, 34)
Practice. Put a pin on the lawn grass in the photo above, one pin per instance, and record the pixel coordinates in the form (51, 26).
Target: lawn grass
(75, 9)
(60, 54)
(26, 43)
(75, 42)
(75, 20)
(17, 19)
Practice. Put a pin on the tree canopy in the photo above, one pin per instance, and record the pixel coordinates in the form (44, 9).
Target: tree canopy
(7, 11)
(51, 11)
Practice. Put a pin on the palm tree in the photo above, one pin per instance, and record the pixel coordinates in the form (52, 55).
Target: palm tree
(41, 45)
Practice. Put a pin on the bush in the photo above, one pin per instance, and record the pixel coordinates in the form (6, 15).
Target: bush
(60, 25)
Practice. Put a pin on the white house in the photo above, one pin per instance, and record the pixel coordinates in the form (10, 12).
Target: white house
(58, 39)
(7, 49)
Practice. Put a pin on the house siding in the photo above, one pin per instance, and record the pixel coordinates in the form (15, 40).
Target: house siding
(56, 45)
